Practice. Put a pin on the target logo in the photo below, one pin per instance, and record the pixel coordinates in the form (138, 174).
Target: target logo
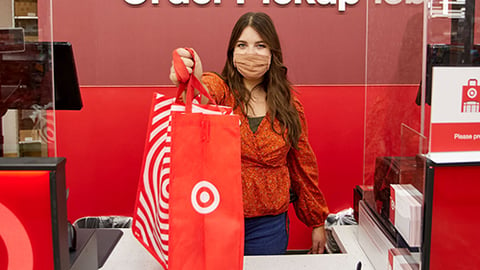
(470, 97)
(16, 240)
(472, 93)
(205, 197)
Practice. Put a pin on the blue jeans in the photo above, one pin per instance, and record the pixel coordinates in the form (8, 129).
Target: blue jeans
(267, 235)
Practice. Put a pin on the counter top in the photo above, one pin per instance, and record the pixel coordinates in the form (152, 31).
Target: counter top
(130, 254)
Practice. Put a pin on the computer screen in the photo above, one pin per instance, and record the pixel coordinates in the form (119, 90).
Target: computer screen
(446, 55)
(26, 77)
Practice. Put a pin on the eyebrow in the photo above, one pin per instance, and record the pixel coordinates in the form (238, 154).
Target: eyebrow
(243, 41)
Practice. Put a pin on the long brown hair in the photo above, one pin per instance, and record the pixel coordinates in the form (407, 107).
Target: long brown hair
(275, 82)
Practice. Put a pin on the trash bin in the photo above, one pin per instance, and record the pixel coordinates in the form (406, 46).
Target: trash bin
(103, 222)
(108, 231)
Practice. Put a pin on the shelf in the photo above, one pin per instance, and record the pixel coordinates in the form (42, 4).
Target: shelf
(28, 142)
(26, 17)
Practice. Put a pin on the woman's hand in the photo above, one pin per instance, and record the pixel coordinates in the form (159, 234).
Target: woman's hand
(189, 63)
(319, 240)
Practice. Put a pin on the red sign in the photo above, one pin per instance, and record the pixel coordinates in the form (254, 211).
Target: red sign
(455, 111)
(455, 137)
(26, 226)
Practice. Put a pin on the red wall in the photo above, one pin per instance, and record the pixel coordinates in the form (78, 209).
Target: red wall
(104, 143)
(132, 45)
(334, 52)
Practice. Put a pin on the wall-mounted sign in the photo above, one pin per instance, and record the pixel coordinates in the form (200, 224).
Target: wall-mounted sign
(341, 3)
(455, 116)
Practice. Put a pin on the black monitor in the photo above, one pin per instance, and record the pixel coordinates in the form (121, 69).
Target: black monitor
(25, 77)
(446, 55)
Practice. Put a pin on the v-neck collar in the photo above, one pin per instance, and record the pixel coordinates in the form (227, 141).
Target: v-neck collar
(245, 119)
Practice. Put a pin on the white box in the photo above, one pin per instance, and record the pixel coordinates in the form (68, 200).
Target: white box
(406, 212)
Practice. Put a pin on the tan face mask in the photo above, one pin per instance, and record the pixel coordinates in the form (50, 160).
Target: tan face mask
(251, 66)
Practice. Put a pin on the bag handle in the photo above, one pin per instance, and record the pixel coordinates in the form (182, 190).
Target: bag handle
(472, 80)
(188, 81)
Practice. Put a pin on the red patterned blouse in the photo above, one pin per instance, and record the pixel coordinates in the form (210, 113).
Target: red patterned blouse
(270, 167)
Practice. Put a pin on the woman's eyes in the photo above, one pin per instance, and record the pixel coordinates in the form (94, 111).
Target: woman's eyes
(259, 45)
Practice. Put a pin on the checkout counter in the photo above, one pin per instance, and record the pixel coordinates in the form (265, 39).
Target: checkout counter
(130, 254)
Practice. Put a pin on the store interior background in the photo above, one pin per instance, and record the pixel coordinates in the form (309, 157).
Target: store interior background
(357, 73)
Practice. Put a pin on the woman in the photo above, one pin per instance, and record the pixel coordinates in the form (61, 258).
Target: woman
(277, 158)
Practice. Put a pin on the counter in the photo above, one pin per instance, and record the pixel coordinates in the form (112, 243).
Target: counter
(130, 254)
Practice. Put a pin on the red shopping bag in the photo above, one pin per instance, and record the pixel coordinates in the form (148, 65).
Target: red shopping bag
(189, 210)
(150, 218)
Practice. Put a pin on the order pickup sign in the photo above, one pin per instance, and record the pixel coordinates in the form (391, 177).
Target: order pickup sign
(455, 117)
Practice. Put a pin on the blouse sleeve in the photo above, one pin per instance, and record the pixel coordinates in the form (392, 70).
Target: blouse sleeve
(216, 87)
(310, 207)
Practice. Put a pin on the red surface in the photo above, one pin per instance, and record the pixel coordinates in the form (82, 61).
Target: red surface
(455, 238)
(443, 138)
(217, 225)
(104, 144)
(132, 45)
(26, 229)
(118, 44)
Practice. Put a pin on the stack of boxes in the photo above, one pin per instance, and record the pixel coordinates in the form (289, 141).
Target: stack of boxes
(25, 8)
(390, 213)
(26, 18)
(406, 212)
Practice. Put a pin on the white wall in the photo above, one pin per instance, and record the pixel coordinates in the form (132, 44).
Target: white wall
(6, 13)
(10, 119)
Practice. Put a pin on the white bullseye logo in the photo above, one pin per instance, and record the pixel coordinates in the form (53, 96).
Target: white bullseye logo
(17, 242)
(472, 93)
(205, 197)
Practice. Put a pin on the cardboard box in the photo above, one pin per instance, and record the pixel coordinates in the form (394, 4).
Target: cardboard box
(25, 8)
(28, 135)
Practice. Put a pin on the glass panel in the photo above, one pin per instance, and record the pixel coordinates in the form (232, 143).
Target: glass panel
(413, 142)
(394, 72)
(452, 40)
(413, 146)
(398, 93)
(405, 168)
(394, 116)
(26, 80)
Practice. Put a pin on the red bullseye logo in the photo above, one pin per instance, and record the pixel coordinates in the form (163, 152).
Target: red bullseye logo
(16, 241)
(205, 197)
